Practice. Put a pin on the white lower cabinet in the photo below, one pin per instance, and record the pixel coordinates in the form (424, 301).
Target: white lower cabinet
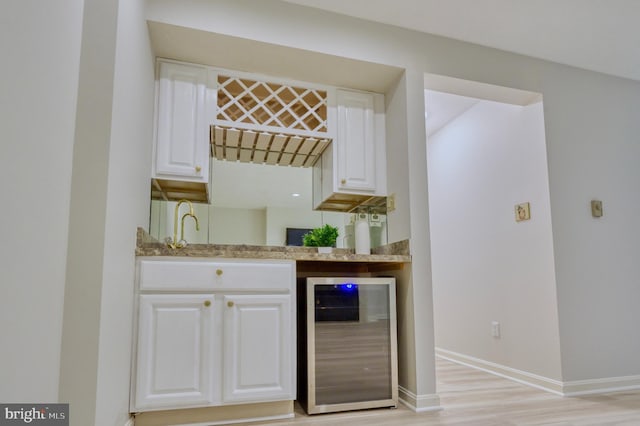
(175, 353)
(200, 345)
(257, 348)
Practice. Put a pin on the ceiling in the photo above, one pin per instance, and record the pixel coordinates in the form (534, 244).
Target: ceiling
(598, 35)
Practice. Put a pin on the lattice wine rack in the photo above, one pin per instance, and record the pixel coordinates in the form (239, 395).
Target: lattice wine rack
(266, 122)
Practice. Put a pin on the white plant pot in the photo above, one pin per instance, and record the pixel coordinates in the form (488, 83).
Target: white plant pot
(325, 250)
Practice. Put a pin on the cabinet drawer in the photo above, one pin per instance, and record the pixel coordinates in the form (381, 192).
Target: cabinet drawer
(193, 275)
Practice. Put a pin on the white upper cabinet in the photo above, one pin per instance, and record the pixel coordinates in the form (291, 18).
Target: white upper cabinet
(356, 148)
(184, 112)
(354, 168)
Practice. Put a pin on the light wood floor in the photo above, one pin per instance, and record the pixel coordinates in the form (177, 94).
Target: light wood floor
(475, 398)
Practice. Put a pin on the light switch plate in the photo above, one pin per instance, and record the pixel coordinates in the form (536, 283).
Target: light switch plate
(495, 329)
(596, 208)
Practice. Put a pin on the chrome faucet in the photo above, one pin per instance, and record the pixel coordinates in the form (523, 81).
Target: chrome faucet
(177, 244)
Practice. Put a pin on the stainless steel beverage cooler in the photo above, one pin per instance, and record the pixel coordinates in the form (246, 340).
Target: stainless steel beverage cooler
(350, 345)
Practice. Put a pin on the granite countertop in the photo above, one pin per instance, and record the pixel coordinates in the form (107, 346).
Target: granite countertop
(146, 245)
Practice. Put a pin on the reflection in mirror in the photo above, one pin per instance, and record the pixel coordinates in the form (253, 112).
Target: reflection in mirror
(255, 204)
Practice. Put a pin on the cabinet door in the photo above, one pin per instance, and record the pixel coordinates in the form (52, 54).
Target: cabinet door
(356, 145)
(182, 138)
(258, 358)
(174, 360)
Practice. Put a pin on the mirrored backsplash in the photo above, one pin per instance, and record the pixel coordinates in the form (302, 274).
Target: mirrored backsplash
(258, 204)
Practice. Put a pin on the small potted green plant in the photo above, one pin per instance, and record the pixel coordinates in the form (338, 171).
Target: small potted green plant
(324, 238)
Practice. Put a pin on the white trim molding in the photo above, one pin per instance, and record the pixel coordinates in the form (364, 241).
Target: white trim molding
(530, 379)
(570, 388)
(606, 385)
(129, 422)
(419, 403)
(235, 421)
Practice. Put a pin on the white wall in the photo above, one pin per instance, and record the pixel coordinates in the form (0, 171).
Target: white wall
(593, 124)
(40, 47)
(278, 219)
(128, 190)
(397, 155)
(85, 250)
(486, 266)
(418, 207)
(231, 226)
(109, 199)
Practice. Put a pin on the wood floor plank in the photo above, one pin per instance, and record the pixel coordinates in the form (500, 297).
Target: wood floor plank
(475, 398)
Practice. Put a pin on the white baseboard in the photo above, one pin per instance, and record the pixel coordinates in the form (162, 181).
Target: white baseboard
(530, 379)
(247, 420)
(570, 388)
(129, 422)
(419, 403)
(606, 385)
(236, 421)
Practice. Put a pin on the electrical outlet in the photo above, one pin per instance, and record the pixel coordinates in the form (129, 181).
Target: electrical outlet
(495, 329)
